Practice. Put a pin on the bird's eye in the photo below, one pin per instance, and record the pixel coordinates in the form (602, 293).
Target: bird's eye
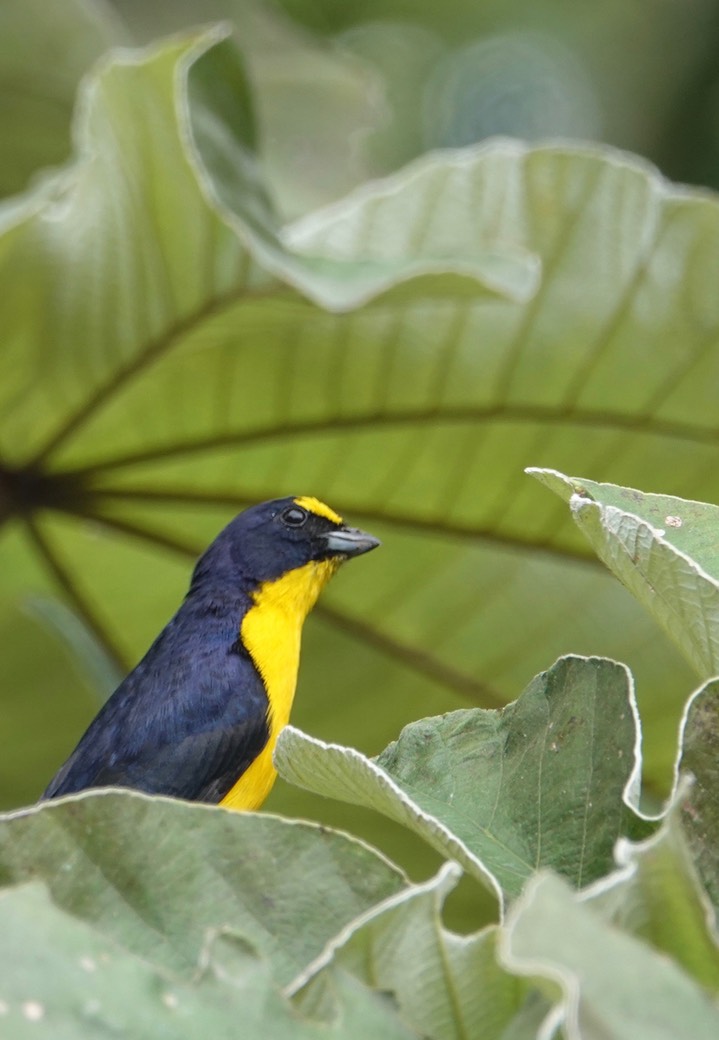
(294, 517)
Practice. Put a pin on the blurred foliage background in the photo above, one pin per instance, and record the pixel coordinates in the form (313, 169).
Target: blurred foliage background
(481, 581)
(641, 76)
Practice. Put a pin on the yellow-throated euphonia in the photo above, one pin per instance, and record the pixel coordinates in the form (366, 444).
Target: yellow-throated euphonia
(199, 716)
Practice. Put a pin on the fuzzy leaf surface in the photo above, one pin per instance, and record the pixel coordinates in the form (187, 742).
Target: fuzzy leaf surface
(446, 986)
(613, 986)
(63, 980)
(699, 757)
(547, 781)
(663, 549)
(155, 875)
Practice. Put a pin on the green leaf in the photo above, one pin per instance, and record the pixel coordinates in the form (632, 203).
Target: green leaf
(155, 875)
(62, 979)
(657, 896)
(550, 780)
(698, 756)
(446, 986)
(613, 986)
(663, 549)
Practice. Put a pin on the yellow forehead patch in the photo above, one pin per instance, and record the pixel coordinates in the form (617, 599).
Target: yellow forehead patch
(313, 505)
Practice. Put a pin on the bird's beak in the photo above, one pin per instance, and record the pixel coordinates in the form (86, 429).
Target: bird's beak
(350, 541)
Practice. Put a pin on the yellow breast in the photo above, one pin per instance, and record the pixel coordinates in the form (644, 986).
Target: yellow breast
(271, 632)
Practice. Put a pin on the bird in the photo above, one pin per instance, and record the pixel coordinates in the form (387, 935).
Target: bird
(199, 716)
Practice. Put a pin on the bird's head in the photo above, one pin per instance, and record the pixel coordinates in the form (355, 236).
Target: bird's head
(267, 541)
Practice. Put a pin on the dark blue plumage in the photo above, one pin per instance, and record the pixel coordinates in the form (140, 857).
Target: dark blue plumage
(179, 709)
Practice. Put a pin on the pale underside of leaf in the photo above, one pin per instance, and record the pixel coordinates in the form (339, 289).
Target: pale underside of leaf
(613, 986)
(654, 562)
(550, 780)
(116, 859)
(446, 986)
(63, 979)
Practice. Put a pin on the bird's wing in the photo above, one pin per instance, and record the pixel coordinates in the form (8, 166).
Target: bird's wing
(202, 766)
(187, 726)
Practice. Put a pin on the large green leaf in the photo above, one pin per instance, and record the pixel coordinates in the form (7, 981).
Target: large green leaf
(63, 980)
(637, 954)
(658, 897)
(170, 352)
(547, 781)
(613, 986)
(156, 875)
(447, 986)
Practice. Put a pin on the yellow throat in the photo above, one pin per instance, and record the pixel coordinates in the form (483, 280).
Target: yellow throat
(271, 632)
